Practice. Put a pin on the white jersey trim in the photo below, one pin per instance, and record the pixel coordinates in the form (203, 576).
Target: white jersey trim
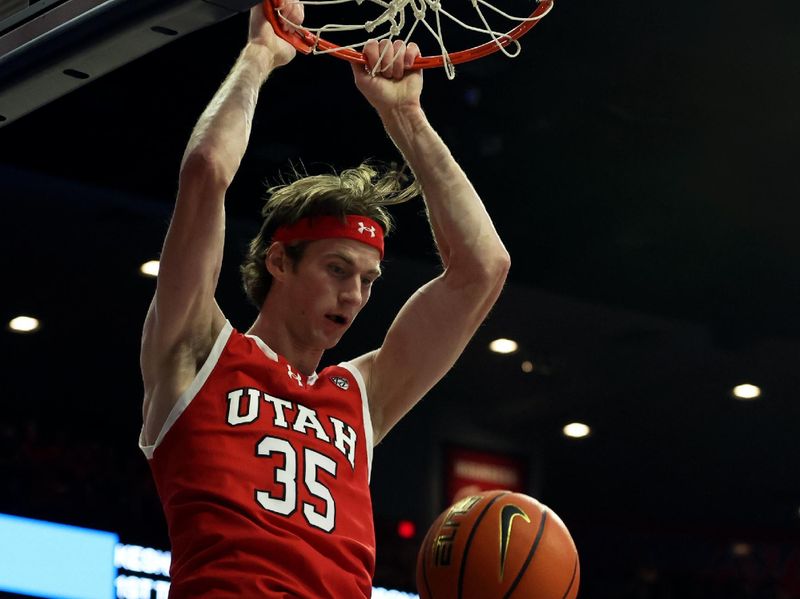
(273, 355)
(268, 351)
(191, 391)
(370, 438)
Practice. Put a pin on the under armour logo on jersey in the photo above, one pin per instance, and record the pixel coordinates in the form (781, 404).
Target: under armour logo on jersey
(341, 382)
(293, 375)
(362, 228)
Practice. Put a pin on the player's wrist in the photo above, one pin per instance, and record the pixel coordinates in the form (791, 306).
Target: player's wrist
(407, 116)
(264, 56)
(260, 50)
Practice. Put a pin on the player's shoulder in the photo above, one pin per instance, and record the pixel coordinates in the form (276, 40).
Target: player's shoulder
(359, 368)
(362, 364)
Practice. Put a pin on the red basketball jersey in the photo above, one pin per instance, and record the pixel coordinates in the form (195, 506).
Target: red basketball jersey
(264, 478)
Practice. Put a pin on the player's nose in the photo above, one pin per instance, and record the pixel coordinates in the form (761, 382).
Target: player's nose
(350, 293)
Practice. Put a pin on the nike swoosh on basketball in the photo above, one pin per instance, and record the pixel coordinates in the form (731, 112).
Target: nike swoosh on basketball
(507, 515)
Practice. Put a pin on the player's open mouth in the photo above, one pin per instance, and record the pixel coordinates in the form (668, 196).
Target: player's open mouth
(336, 318)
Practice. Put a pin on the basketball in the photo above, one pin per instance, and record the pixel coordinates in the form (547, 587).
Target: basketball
(498, 545)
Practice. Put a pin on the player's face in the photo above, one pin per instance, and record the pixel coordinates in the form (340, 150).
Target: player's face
(330, 286)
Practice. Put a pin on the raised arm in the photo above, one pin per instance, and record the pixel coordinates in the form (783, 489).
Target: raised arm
(183, 319)
(437, 322)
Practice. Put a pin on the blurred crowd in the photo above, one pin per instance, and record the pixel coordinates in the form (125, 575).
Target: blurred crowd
(51, 472)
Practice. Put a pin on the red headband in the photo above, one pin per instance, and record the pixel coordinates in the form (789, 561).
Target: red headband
(360, 228)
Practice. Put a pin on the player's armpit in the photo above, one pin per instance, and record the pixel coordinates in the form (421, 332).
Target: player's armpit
(183, 318)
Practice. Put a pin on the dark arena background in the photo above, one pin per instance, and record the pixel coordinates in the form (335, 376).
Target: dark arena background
(639, 159)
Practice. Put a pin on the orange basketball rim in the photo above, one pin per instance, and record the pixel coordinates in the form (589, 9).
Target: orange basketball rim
(308, 41)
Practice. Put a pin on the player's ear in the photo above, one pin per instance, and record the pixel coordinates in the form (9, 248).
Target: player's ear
(276, 260)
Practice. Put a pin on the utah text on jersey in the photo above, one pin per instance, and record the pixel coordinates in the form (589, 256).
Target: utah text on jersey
(290, 416)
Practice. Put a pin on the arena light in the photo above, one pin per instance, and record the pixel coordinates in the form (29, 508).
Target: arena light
(382, 593)
(527, 366)
(746, 391)
(576, 430)
(149, 268)
(741, 549)
(503, 346)
(406, 529)
(24, 324)
(44, 559)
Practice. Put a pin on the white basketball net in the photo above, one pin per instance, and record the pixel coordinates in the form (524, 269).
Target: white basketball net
(394, 18)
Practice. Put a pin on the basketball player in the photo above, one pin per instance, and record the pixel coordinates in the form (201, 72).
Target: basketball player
(262, 464)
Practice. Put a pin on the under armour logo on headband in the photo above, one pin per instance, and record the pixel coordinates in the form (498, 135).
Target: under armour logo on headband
(362, 228)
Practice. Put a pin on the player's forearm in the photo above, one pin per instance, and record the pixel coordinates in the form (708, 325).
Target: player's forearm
(223, 130)
(463, 230)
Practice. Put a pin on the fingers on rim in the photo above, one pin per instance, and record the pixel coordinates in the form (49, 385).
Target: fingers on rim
(390, 58)
(399, 61)
(290, 11)
(371, 52)
(412, 53)
(296, 12)
(386, 57)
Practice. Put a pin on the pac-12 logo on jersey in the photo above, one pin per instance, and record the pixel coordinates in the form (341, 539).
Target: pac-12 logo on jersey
(341, 382)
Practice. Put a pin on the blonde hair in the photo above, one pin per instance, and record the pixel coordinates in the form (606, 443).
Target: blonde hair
(364, 190)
